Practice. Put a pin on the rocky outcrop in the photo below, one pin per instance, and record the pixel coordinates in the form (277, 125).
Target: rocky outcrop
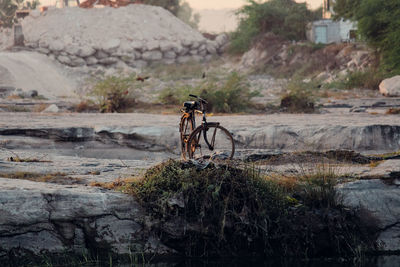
(382, 199)
(390, 87)
(38, 219)
(135, 35)
(282, 56)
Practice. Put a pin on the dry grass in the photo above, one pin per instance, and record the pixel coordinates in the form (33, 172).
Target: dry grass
(57, 178)
(14, 97)
(393, 111)
(40, 107)
(375, 164)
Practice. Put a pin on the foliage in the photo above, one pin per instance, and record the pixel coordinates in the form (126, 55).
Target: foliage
(378, 23)
(220, 210)
(299, 98)
(112, 92)
(285, 18)
(226, 95)
(9, 7)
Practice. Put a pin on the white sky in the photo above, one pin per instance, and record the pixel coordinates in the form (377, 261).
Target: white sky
(218, 4)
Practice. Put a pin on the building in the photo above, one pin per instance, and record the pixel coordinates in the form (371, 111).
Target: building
(328, 31)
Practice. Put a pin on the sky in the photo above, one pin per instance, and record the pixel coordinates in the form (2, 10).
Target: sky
(219, 4)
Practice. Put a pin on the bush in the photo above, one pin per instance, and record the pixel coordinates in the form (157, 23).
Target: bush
(299, 98)
(113, 92)
(378, 22)
(228, 95)
(221, 210)
(285, 18)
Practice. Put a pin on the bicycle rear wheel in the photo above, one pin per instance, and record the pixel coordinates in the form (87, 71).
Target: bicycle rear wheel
(220, 143)
(185, 128)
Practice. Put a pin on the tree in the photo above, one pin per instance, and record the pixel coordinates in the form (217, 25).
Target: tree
(9, 7)
(286, 18)
(378, 24)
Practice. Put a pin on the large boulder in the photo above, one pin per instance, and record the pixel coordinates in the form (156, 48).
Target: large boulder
(390, 87)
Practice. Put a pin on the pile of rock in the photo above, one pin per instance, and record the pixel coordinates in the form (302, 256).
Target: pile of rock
(135, 35)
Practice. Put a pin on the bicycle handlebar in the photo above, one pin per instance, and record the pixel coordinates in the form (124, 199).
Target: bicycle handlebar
(199, 98)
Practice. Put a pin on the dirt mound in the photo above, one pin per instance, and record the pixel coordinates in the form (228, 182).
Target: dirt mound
(135, 35)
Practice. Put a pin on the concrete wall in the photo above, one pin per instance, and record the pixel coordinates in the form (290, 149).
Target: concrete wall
(337, 31)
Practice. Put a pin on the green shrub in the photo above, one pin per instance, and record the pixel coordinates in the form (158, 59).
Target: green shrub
(299, 98)
(231, 94)
(112, 92)
(283, 17)
(221, 210)
(378, 24)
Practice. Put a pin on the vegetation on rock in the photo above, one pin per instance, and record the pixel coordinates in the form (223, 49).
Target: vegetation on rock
(220, 210)
(113, 92)
(230, 94)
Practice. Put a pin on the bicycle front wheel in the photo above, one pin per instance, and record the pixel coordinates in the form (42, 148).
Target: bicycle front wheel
(210, 142)
(185, 129)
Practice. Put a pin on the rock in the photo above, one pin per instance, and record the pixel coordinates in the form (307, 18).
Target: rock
(178, 48)
(32, 93)
(77, 61)
(55, 219)
(186, 42)
(358, 109)
(184, 51)
(152, 55)
(211, 48)
(72, 49)
(169, 55)
(221, 40)
(101, 54)
(390, 87)
(138, 45)
(86, 51)
(51, 109)
(43, 50)
(193, 52)
(64, 59)
(195, 45)
(383, 202)
(108, 61)
(111, 45)
(167, 46)
(152, 45)
(91, 61)
(125, 47)
(56, 45)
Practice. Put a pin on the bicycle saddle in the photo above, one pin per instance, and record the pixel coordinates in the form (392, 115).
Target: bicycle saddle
(190, 105)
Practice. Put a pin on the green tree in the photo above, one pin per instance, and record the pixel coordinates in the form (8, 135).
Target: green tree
(286, 18)
(378, 24)
(9, 7)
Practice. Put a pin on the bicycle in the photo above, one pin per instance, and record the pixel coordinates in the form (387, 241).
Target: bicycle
(209, 140)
